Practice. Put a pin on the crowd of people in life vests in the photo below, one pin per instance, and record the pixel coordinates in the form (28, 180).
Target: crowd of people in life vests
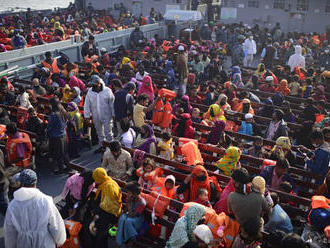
(231, 157)
(31, 29)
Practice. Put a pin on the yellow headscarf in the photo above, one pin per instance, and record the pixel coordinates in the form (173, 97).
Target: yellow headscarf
(167, 147)
(282, 143)
(111, 201)
(67, 94)
(258, 72)
(218, 113)
(230, 160)
(125, 61)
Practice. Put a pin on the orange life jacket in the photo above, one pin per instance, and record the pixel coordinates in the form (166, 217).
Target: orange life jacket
(167, 115)
(11, 148)
(160, 188)
(327, 232)
(214, 221)
(147, 179)
(157, 116)
(318, 201)
(156, 203)
(267, 163)
(53, 67)
(183, 141)
(74, 228)
(3, 131)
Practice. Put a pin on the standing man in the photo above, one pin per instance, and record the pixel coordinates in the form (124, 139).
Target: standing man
(32, 219)
(238, 52)
(99, 104)
(182, 67)
(250, 49)
(124, 104)
(297, 59)
(268, 54)
(277, 127)
(89, 47)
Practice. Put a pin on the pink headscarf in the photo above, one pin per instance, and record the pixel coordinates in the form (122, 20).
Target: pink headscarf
(149, 90)
(76, 82)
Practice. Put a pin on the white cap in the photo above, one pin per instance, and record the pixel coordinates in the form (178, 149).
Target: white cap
(181, 48)
(248, 116)
(269, 78)
(103, 50)
(204, 233)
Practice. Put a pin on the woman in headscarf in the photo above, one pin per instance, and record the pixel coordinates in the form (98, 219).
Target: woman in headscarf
(191, 154)
(76, 190)
(66, 92)
(76, 82)
(182, 234)
(213, 114)
(58, 30)
(184, 103)
(223, 102)
(216, 132)
(183, 127)
(199, 178)
(283, 88)
(147, 88)
(74, 128)
(230, 92)
(245, 107)
(146, 140)
(236, 77)
(282, 150)
(319, 94)
(260, 70)
(171, 80)
(76, 98)
(230, 160)
(126, 61)
(108, 199)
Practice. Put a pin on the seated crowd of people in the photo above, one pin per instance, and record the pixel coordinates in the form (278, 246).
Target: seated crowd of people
(192, 154)
(32, 29)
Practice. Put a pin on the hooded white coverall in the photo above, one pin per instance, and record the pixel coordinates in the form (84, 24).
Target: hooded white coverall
(100, 106)
(296, 59)
(33, 221)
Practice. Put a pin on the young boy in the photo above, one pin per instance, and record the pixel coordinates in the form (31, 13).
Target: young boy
(256, 150)
(203, 197)
(196, 116)
(246, 126)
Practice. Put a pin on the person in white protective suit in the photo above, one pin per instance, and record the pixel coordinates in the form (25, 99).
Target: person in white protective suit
(99, 103)
(296, 59)
(32, 219)
(250, 49)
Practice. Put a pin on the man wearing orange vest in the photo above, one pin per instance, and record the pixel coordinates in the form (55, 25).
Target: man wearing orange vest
(18, 147)
(50, 63)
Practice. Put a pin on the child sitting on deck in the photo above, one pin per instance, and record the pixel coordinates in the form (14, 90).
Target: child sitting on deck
(148, 173)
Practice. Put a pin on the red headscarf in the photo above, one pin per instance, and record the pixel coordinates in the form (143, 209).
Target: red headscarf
(195, 185)
(149, 90)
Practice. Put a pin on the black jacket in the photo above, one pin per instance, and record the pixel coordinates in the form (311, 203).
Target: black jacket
(282, 130)
(85, 49)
